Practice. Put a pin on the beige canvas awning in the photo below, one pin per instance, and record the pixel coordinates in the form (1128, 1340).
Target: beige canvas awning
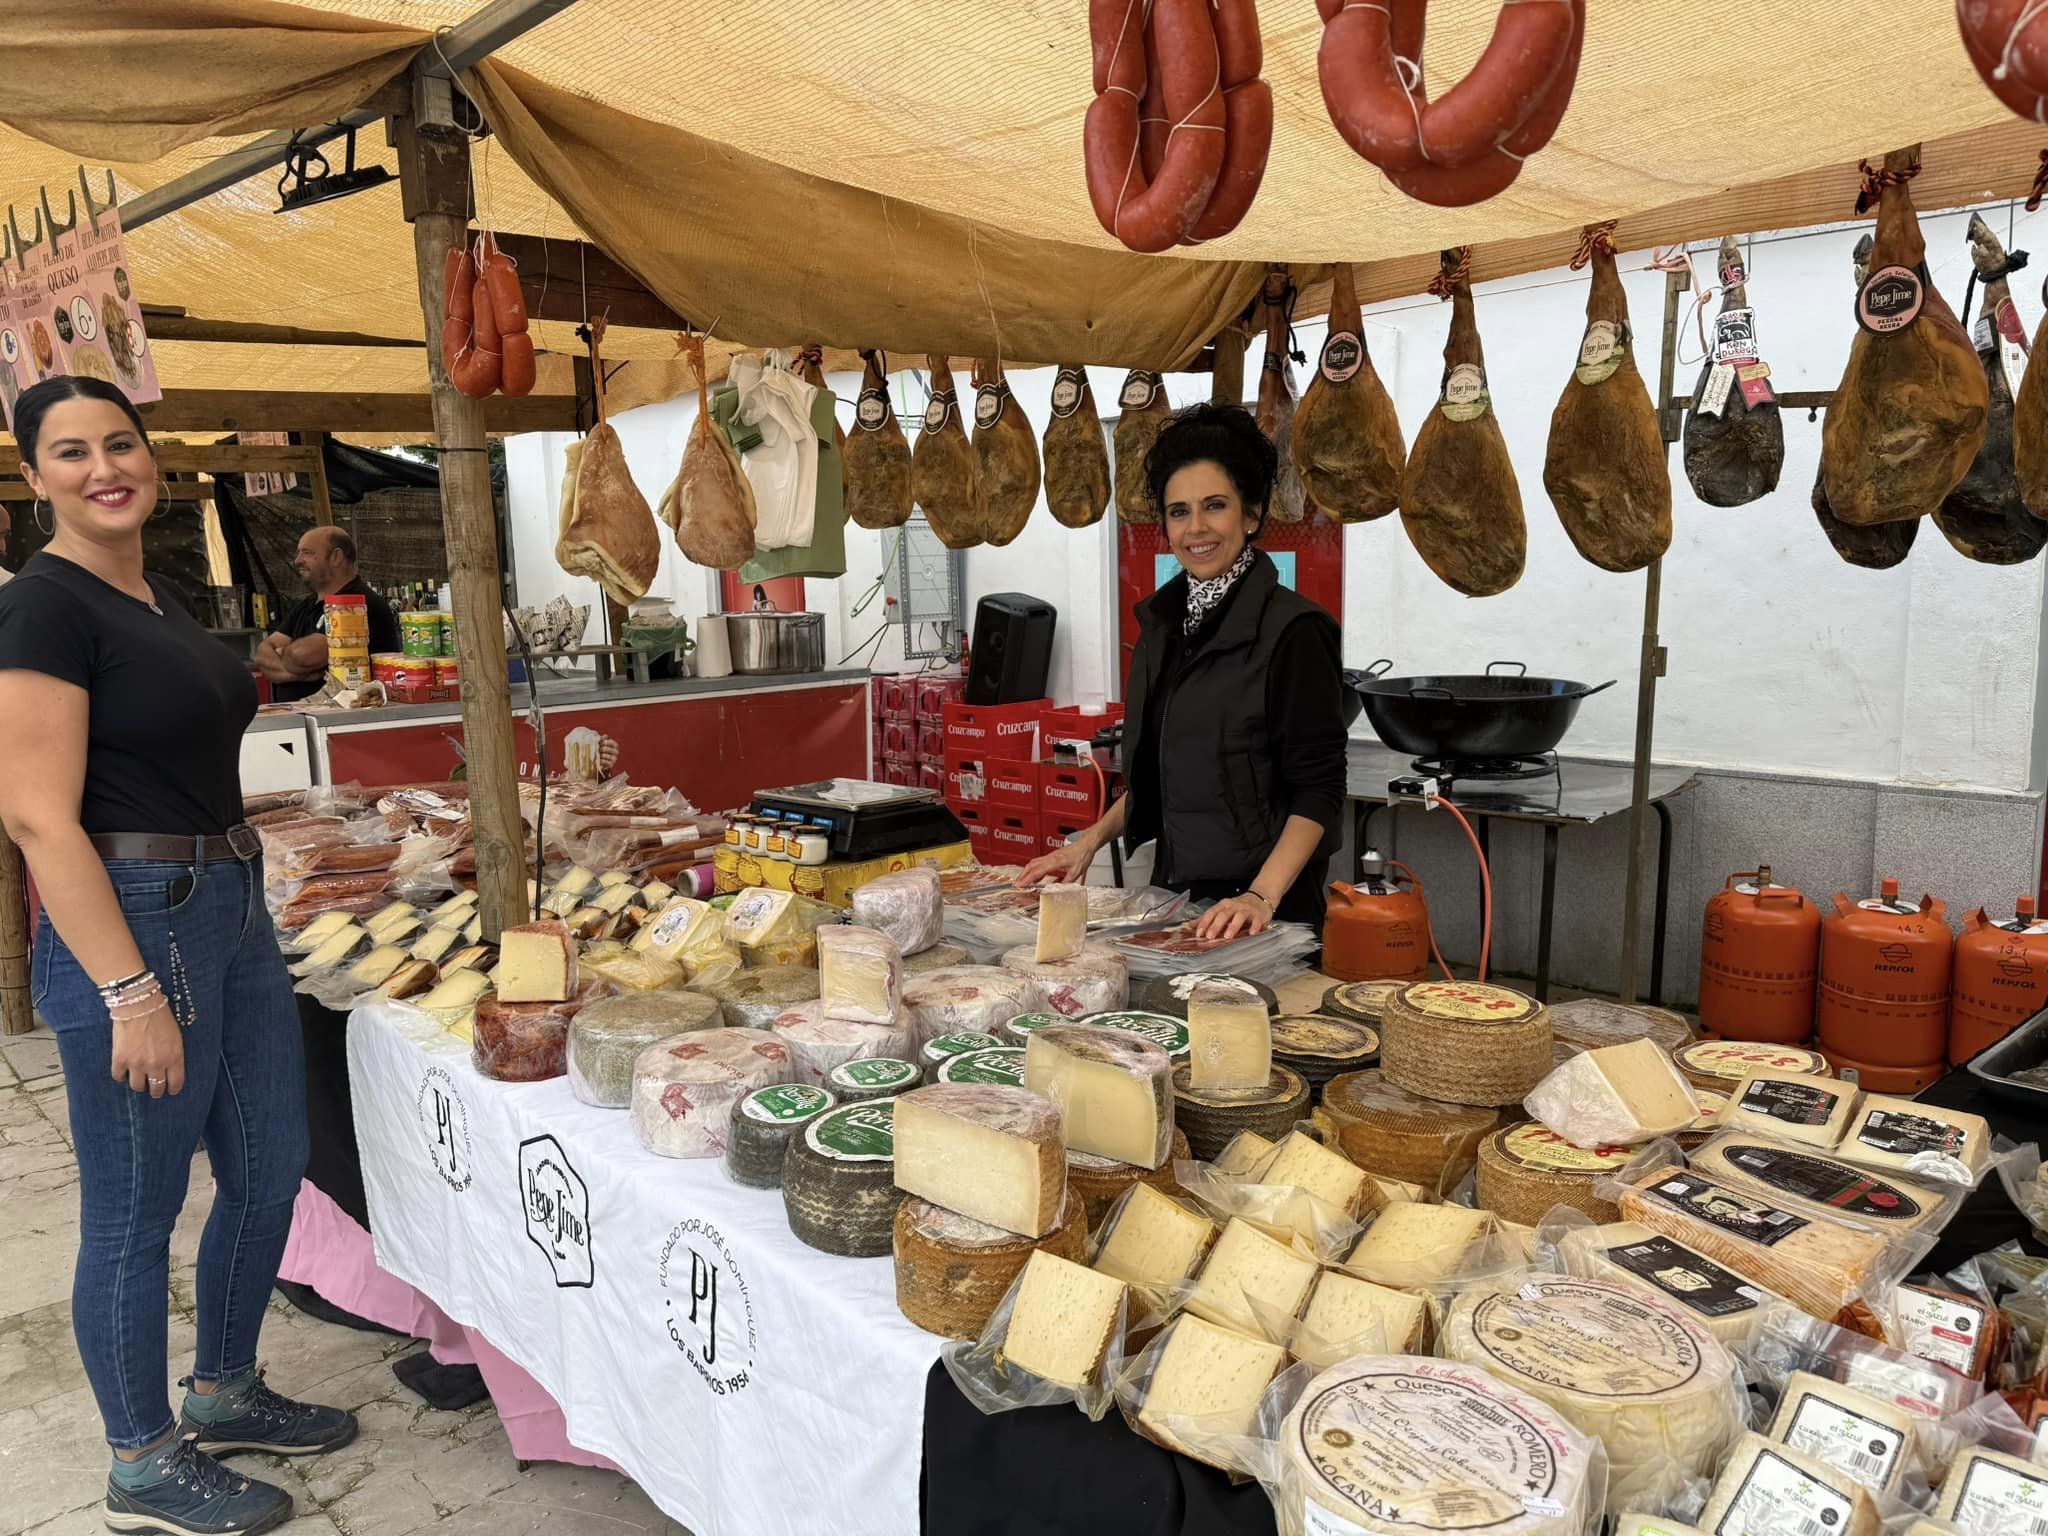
(908, 175)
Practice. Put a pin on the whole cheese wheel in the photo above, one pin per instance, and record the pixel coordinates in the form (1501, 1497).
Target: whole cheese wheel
(1168, 1031)
(1722, 1064)
(762, 1124)
(871, 1077)
(818, 1044)
(756, 999)
(1100, 1183)
(1650, 1383)
(1465, 1042)
(938, 958)
(977, 998)
(1524, 1170)
(1401, 1444)
(953, 1271)
(1386, 1129)
(1094, 981)
(940, 1049)
(1212, 1117)
(1170, 994)
(684, 1090)
(606, 1038)
(839, 1180)
(1364, 1002)
(1587, 1023)
(1320, 1047)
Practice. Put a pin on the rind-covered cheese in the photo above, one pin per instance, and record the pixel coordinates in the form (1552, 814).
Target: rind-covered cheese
(952, 1271)
(1409, 1245)
(1615, 1095)
(1153, 1240)
(1856, 1434)
(607, 1037)
(860, 975)
(838, 1182)
(763, 1124)
(940, 1049)
(756, 999)
(1212, 1116)
(1820, 1264)
(1766, 1488)
(1114, 1091)
(1386, 1129)
(1247, 1265)
(871, 1077)
(1001, 1064)
(1305, 1163)
(941, 956)
(375, 968)
(1062, 924)
(1364, 1002)
(1989, 1493)
(1348, 1316)
(1587, 1023)
(1465, 1042)
(1650, 1383)
(1526, 1169)
(906, 904)
(1319, 1047)
(1064, 1321)
(1092, 980)
(1209, 1373)
(536, 964)
(1820, 1184)
(1722, 1064)
(977, 998)
(1408, 1446)
(684, 1089)
(1726, 1304)
(1230, 1040)
(1792, 1106)
(986, 1151)
(1918, 1140)
(1101, 1181)
(1955, 1331)
(818, 1043)
(1167, 1031)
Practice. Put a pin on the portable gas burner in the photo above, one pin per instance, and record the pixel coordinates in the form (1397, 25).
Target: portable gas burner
(1450, 770)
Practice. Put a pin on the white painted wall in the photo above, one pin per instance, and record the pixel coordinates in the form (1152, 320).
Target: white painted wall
(1782, 657)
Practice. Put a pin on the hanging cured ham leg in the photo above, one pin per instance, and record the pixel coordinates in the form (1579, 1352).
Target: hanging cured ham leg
(1077, 479)
(1347, 439)
(1878, 546)
(1734, 441)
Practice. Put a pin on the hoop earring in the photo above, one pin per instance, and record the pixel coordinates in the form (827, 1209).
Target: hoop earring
(163, 499)
(48, 532)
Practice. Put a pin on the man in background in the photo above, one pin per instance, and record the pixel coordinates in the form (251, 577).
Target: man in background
(295, 657)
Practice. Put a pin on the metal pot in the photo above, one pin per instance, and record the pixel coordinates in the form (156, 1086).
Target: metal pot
(1470, 716)
(766, 640)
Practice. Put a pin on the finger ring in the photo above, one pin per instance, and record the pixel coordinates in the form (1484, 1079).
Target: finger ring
(156, 1082)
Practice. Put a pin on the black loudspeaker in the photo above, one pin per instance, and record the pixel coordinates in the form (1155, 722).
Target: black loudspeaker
(1012, 648)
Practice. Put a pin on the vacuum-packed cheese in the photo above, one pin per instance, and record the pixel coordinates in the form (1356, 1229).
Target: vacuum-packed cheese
(984, 1150)
(536, 964)
(684, 1090)
(860, 975)
(906, 904)
(1064, 1320)
(1614, 1095)
(1766, 1488)
(1408, 1446)
(1792, 1106)
(682, 926)
(1094, 979)
(758, 915)
(1208, 1372)
(1305, 1163)
(1346, 1314)
(1726, 1304)
(1851, 1431)
(1230, 1040)
(979, 999)
(818, 1043)
(1114, 1090)
(1989, 1493)
(1647, 1381)
(1062, 923)
(1819, 1184)
(1246, 1265)
(1922, 1140)
(1411, 1244)
(1152, 1240)
(1952, 1330)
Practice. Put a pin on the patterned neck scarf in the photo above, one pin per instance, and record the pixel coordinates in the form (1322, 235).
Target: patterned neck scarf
(1205, 596)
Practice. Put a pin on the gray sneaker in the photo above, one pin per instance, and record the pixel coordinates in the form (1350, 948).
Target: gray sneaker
(188, 1493)
(246, 1415)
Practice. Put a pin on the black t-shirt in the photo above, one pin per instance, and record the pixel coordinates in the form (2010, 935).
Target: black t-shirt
(309, 617)
(169, 702)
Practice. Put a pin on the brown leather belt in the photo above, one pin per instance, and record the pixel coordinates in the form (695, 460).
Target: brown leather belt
(240, 842)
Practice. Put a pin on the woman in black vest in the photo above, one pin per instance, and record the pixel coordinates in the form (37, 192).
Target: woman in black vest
(1234, 736)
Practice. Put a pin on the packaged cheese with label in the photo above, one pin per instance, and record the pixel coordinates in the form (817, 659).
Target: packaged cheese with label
(1055, 1337)
(906, 904)
(1614, 1095)
(1856, 1434)
(1729, 1306)
(1407, 1446)
(1152, 1240)
(1790, 1340)
(1991, 1493)
(1252, 1281)
(683, 930)
(860, 975)
(1808, 1181)
(1347, 1316)
(1419, 1245)
(758, 915)
(1766, 1488)
(1792, 1106)
(1300, 1192)
(1921, 1141)
(1657, 1389)
(1965, 1334)
(630, 970)
(1094, 979)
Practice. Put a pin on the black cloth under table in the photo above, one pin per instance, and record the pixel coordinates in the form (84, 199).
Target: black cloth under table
(334, 1166)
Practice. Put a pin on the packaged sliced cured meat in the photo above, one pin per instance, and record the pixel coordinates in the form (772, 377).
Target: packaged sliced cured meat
(906, 904)
(710, 505)
(1006, 452)
(1276, 409)
(945, 474)
(877, 454)
(1604, 467)
(1145, 411)
(1879, 546)
(607, 532)
(1347, 440)
(1460, 505)
(1984, 517)
(1734, 441)
(1909, 415)
(1077, 479)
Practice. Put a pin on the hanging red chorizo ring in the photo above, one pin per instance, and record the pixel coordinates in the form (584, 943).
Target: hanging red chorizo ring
(1247, 120)
(1154, 213)
(1371, 74)
(2008, 42)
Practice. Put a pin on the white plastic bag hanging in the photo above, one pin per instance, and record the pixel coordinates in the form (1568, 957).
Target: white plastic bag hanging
(783, 470)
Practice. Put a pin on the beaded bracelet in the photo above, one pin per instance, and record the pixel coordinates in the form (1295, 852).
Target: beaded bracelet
(110, 991)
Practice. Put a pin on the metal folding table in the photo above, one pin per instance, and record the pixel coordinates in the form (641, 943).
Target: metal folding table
(1581, 792)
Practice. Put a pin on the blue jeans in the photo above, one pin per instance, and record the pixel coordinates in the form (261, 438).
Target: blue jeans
(245, 1094)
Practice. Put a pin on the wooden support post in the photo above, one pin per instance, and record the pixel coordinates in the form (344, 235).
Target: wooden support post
(323, 501)
(434, 191)
(16, 1017)
(1227, 384)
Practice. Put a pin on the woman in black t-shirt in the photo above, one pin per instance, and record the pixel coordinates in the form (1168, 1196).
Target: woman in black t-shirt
(156, 967)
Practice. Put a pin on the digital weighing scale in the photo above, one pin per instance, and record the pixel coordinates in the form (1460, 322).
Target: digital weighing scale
(866, 820)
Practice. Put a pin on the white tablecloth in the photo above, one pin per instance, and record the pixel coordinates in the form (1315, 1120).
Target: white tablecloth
(750, 1384)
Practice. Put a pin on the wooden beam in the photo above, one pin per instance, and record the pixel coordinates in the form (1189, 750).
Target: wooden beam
(166, 327)
(435, 182)
(571, 280)
(207, 458)
(235, 410)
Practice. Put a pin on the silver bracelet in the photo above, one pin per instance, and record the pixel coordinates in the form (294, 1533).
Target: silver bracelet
(128, 988)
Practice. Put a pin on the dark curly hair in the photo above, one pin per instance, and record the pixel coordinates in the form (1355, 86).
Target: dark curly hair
(1224, 435)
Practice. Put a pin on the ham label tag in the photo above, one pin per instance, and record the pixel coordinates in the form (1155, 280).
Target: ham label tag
(936, 411)
(1465, 396)
(1066, 392)
(1139, 388)
(1714, 394)
(872, 411)
(1754, 379)
(1889, 300)
(1343, 354)
(1601, 350)
(1733, 274)
(988, 405)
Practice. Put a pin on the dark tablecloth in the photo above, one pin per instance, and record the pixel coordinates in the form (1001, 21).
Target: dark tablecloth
(1045, 1470)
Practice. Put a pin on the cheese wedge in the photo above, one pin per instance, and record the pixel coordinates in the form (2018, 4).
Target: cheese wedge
(1230, 1040)
(319, 931)
(1152, 1240)
(390, 924)
(375, 968)
(536, 963)
(1247, 1265)
(1064, 1320)
(1616, 1095)
(1348, 1316)
(1062, 922)
(612, 877)
(1114, 1090)
(345, 942)
(456, 994)
(456, 908)
(986, 1150)
(1215, 1374)
(1247, 1149)
(436, 944)
(1307, 1164)
(1866, 1440)
(1410, 1244)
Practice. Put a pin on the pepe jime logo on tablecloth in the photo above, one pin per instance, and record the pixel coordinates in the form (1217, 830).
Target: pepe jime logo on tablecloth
(557, 1206)
(706, 1309)
(444, 1119)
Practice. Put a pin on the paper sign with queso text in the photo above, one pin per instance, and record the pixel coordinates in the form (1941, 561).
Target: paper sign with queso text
(72, 309)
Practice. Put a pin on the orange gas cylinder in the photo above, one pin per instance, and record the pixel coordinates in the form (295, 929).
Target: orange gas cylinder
(1759, 957)
(1905, 1082)
(1884, 973)
(1377, 930)
(2001, 979)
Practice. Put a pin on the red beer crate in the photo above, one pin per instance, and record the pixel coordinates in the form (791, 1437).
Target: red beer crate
(1072, 725)
(1072, 791)
(964, 780)
(1055, 830)
(975, 818)
(896, 697)
(994, 730)
(935, 693)
(1012, 784)
(1013, 836)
